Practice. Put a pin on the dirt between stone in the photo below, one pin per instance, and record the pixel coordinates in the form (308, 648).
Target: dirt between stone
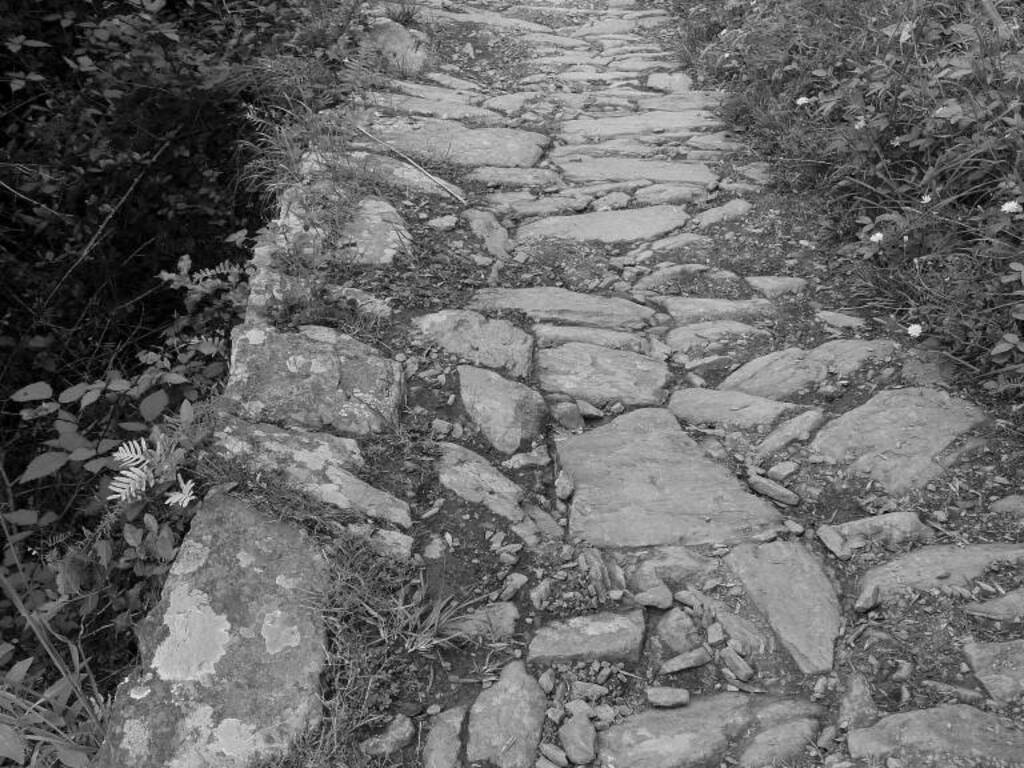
(695, 508)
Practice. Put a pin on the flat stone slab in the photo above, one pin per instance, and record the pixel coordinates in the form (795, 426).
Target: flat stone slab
(514, 177)
(605, 636)
(472, 477)
(788, 585)
(485, 18)
(623, 226)
(932, 567)
(734, 410)
(661, 122)
(506, 719)
(772, 286)
(491, 343)
(690, 310)
(941, 737)
(231, 655)
(431, 107)
(641, 481)
(311, 379)
(791, 371)
(380, 168)
(628, 169)
(898, 436)
(999, 667)
(601, 376)
(1009, 607)
(698, 736)
(890, 529)
(318, 464)
(697, 337)
(447, 141)
(552, 335)
(559, 305)
(444, 742)
(378, 234)
(509, 414)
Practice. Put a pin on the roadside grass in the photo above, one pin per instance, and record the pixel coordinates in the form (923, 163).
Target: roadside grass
(906, 117)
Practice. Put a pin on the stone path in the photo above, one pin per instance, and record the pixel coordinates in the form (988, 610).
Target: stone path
(715, 598)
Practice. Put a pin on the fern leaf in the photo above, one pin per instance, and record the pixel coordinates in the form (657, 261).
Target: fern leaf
(134, 453)
(130, 483)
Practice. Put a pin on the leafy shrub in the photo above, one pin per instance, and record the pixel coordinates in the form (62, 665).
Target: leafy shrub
(909, 116)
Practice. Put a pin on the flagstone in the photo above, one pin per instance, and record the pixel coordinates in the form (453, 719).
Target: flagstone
(601, 375)
(621, 226)
(447, 141)
(558, 305)
(624, 169)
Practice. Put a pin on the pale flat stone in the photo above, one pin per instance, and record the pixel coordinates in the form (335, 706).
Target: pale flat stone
(772, 286)
(674, 82)
(791, 371)
(380, 168)
(669, 194)
(549, 205)
(313, 378)
(719, 141)
(1009, 607)
(687, 310)
(685, 240)
(558, 41)
(678, 631)
(553, 335)
(889, 530)
(233, 652)
(377, 231)
(840, 320)
(697, 337)
(999, 667)
(624, 169)
(734, 410)
(443, 743)
(428, 107)
(471, 476)
(600, 375)
(666, 123)
(506, 719)
(562, 306)
(898, 436)
(666, 696)
(792, 430)
(396, 737)
(641, 481)
(603, 636)
(491, 343)
(318, 464)
(734, 209)
(779, 744)
(508, 413)
(680, 102)
(942, 737)
(585, 153)
(496, 621)
(578, 738)
(857, 707)
(485, 226)
(437, 93)
(447, 141)
(514, 177)
(787, 583)
(485, 18)
(608, 226)
(605, 27)
(932, 567)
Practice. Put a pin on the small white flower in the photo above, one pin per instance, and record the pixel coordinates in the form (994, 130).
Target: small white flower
(895, 143)
(926, 199)
(876, 237)
(802, 100)
(860, 124)
(915, 330)
(1011, 206)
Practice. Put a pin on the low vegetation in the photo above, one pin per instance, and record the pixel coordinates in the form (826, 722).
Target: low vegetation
(907, 117)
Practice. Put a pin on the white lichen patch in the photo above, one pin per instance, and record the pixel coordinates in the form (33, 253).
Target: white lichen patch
(139, 692)
(236, 739)
(279, 633)
(197, 640)
(191, 557)
(136, 738)
(245, 559)
(255, 336)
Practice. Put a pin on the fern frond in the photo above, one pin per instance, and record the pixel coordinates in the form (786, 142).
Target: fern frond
(130, 483)
(134, 453)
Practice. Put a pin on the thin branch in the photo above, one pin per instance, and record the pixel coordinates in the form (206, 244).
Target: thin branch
(440, 182)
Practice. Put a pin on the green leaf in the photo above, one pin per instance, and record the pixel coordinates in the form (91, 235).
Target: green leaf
(12, 744)
(132, 535)
(71, 394)
(153, 405)
(90, 397)
(82, 454)
(42, 465)
(16, 674)
(72, 757)
(22, 516)
(186, 413)
(38, 390)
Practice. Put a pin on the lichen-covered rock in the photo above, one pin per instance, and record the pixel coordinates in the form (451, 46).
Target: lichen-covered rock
(311, 379)
(232, 654)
